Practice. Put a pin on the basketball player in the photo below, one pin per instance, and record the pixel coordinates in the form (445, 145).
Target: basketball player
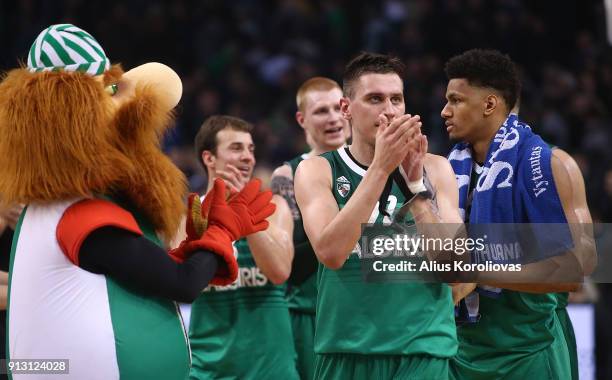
(376, 330)
(318, 113)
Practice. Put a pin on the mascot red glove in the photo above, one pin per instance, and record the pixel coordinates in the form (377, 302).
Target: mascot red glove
(214, 224)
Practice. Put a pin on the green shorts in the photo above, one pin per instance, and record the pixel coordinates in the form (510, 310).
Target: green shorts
(551, 363)
(303, 325)
(570, 340)
(380, 367)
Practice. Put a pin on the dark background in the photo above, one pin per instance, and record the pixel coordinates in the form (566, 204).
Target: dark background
(248, 57)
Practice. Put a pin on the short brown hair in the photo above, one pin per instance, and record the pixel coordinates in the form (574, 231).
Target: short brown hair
(314, 84)
(369, 63)
(206, 139)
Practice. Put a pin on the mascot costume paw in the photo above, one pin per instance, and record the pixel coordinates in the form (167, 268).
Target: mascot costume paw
(90, 278)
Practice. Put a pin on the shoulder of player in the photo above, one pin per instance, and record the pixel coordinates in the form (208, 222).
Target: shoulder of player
(313, 163)
(315, 168)
(434, 159)
(437, 165)
(439, 170)
(563, 166)
(283, 171)
(560, 157)
(566, 174)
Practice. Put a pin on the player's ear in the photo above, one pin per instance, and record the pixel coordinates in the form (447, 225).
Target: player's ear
(492, 101)
(208, 158)
(344, 107)
(299, 117)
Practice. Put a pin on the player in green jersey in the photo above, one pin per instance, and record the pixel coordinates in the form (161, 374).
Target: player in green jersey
(318, 113)
(519, 334)
(389, 329)
(243, 330)
(563, 297)
(568, 333)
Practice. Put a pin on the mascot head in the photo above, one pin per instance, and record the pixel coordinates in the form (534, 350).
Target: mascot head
(73, 125)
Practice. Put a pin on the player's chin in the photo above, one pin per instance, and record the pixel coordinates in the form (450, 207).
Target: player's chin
(455, 136)
(336, 140)
(246, 174)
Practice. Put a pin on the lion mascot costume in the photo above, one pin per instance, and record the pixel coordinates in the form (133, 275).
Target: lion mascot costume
(90, 279)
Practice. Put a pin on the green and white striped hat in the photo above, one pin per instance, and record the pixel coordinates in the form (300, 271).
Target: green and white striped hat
(66, 47)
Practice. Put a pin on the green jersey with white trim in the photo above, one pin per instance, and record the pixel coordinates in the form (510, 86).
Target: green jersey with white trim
(516, 330)
(242, 330)
(385, 318)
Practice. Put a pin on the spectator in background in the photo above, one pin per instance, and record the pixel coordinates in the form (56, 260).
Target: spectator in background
(229, 72)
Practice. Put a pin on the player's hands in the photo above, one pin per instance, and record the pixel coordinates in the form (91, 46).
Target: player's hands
(392, 138)
(412, 164)
(234, 179)
(461, 290)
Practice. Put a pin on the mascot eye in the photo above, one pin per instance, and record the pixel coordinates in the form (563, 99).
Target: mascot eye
(112, 89)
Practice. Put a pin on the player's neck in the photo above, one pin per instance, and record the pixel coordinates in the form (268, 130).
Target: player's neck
(482, 144)
(317, 150)
(363, 153)
(481, 147)
(211, 174)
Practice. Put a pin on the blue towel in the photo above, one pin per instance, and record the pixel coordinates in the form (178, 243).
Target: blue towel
(515, 186)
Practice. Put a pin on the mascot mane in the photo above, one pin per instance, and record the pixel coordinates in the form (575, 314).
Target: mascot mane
(62, 137)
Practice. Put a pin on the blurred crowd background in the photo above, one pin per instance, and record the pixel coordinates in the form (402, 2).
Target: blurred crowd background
(248, 57)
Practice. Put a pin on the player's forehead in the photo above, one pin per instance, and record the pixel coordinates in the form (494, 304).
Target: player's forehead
(461, 87)
(228, 136)
(317, 98)
(374, 83)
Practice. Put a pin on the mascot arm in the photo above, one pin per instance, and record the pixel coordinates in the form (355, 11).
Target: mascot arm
(141, 265)
(103, 238)
(85, 216)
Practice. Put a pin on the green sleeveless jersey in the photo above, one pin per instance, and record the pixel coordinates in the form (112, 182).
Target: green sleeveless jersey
(386, 318)
(301, 297)
(512, 329)
(242, 330)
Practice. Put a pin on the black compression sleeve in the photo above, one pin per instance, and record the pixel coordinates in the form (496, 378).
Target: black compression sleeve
(145, 267)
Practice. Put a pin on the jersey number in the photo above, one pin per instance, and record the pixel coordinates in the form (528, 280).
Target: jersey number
(391, 203)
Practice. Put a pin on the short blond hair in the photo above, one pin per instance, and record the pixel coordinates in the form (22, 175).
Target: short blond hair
(314, 84)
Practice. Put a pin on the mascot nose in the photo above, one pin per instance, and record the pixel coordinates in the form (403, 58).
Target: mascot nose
(165, 82)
